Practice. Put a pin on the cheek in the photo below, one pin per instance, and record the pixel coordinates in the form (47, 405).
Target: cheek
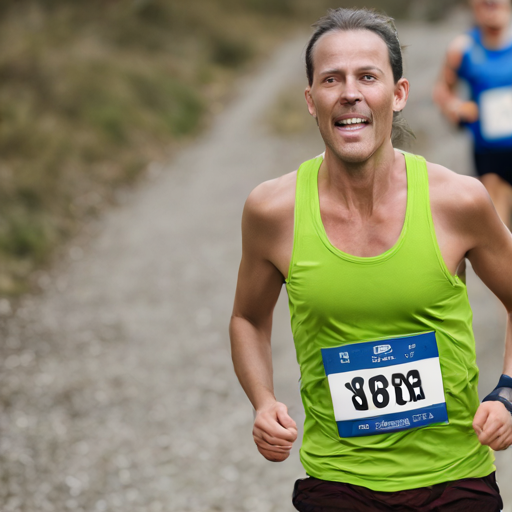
(323, 110)
(384, 106)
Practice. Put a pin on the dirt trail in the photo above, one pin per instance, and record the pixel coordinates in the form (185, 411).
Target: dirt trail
(117, 388)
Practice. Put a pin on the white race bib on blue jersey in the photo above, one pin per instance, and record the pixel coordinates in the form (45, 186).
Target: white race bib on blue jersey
(496, 113)
(386, 386)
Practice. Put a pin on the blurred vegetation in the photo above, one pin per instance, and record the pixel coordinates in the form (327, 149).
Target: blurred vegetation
(93, 91)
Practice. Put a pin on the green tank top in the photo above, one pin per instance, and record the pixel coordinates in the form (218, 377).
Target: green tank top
(338, 299)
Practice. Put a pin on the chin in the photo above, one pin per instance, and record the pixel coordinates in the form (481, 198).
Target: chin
(495, 23)
(353, 155)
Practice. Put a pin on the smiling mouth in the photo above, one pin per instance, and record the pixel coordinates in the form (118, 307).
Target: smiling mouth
(352, 123)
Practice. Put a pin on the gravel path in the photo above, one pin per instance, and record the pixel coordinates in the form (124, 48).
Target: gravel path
(117, 389)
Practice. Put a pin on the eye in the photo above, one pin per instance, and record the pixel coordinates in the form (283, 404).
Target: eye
(368, 78)
(330, 80)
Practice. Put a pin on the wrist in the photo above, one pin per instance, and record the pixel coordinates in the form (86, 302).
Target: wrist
(263, 403)
(502, 393)
(453, 107)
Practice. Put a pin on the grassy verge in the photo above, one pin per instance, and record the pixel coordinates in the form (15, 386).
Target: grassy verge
(91, 93)
(94, 91)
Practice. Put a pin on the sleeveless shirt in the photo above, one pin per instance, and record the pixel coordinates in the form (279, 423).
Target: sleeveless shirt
(336, 298)
(488, 71)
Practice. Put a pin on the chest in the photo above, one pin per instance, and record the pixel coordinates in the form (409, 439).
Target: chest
(364, 235)
(484, 69)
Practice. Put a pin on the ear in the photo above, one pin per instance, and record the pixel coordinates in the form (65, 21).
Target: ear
(401, 94)
(310, 102)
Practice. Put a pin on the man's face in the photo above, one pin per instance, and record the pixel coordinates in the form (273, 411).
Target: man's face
(353, 93)
(493, 14)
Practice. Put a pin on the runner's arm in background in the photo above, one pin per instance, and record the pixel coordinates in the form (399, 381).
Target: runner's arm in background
(258, 288)
(491, 259)
(445, 95)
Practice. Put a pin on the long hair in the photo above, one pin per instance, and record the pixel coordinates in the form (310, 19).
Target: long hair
(384, 27)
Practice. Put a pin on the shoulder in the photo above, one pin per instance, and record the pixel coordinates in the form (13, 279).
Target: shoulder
(267, 222)
(271, 202)
(457, 48)
(271, 196)
(460, 203)
(440, 176)
(456, 191)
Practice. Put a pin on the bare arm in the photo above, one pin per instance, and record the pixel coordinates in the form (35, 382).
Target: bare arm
(258, 288)
(445, 89)
(491, 258)
(467, 226)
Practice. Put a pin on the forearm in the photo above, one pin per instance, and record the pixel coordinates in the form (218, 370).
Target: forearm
(274, 431)
(507, 365)
(252, 359)
(447, 100)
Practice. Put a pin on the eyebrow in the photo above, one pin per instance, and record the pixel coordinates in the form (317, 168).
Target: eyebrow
(337, 71)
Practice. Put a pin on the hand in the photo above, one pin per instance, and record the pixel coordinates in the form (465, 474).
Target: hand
(463, 111)
(493, 425)
(274, 432)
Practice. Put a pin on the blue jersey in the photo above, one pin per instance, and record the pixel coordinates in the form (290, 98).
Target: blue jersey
(488, 74)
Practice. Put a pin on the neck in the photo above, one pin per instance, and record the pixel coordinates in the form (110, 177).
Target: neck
(358, 186)
(495, 37)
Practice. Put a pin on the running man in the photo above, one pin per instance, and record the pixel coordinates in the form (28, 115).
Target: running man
(371, 243)
(482, 58)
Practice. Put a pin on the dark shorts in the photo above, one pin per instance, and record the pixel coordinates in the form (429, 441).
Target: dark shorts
(468, 495)
(497, 162)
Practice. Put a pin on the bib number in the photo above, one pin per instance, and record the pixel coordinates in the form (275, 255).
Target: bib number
(496, 113)
(406, 388)
(381, 387)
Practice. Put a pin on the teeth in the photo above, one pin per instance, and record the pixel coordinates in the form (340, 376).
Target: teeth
(354, 120)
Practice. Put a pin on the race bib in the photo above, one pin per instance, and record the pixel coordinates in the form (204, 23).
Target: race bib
(386, 386)
(496, 113)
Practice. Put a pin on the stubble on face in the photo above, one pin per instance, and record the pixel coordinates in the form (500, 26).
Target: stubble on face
(352, 94)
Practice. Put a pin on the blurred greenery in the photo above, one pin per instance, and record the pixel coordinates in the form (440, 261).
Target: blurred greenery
(94, 91)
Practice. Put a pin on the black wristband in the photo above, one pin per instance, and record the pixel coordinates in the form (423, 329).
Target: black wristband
(502, 393)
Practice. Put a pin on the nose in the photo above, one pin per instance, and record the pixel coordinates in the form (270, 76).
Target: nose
(350, 93)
